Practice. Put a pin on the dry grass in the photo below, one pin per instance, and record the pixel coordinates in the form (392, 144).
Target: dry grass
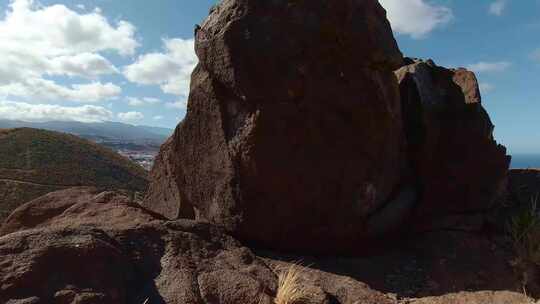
(290, 288)
(524, 231)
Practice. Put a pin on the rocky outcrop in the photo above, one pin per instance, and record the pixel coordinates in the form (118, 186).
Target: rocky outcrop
(291, 140)
(91, 253)
(101, 248)
(457, 165)
(77, 207)
(297, 141)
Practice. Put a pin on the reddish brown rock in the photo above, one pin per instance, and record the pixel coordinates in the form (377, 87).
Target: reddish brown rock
(484, 297)
(103, 260)
(458, 166)
(293, 136)
(75, 207)
(163, 195)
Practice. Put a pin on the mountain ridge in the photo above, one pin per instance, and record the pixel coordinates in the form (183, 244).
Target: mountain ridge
(97, 131)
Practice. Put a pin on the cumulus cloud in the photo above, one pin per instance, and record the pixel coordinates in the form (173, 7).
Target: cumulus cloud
(137, 102)
(486, 67)
(170, 69)
(44, 112)
(57, 30)
(497, 7)
(130, 116)
(416, 18)
(36, 88)
(158, 117)
(40, 41)
(181, 104)
(87, 65)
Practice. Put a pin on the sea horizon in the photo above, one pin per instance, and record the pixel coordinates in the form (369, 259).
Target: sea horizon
(525, 161)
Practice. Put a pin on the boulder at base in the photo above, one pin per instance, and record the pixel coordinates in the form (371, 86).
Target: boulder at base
(91, 253)
(293, 136)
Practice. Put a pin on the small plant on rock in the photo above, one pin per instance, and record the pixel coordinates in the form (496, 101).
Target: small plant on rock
(524, 229)
(290, 288)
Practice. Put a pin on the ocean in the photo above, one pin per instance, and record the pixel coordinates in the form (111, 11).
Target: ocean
(523, 161)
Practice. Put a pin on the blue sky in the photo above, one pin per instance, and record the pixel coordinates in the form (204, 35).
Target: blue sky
(129, 60)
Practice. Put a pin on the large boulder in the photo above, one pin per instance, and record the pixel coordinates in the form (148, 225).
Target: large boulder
(458, 166)
(293, 136)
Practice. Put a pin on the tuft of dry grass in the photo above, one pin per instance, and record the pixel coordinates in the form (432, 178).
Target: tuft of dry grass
(290, 288)
(524, 230)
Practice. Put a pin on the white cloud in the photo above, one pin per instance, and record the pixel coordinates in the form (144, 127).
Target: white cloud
(137, 102)
(486, 87)
(497, 7)
(130, 116)
(37, 88)
(483, 66)
(56, 30)
(40, 41)
(44, 112)
(158, 117)
(181, 104)
(87, 65)
(416, 18)
(171, 69)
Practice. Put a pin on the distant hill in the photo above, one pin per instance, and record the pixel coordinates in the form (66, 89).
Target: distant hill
(34, 162)
(157, 130)
(104, 131)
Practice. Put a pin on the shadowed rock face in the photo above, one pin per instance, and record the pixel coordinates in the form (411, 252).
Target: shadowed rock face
(458, 166)
(293, 136)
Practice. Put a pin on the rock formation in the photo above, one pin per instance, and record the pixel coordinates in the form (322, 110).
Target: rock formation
(291, 140)
(457, 165)
(99, 248)
(301, 141)
(300, 137)
(82, 246)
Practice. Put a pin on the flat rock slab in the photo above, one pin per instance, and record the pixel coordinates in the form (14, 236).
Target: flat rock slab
(485, 297)
(91, 247)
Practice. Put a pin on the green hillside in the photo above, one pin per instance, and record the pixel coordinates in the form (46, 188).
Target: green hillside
(34, 162)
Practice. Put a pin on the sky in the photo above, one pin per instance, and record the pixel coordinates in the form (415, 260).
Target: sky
(130, 60)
